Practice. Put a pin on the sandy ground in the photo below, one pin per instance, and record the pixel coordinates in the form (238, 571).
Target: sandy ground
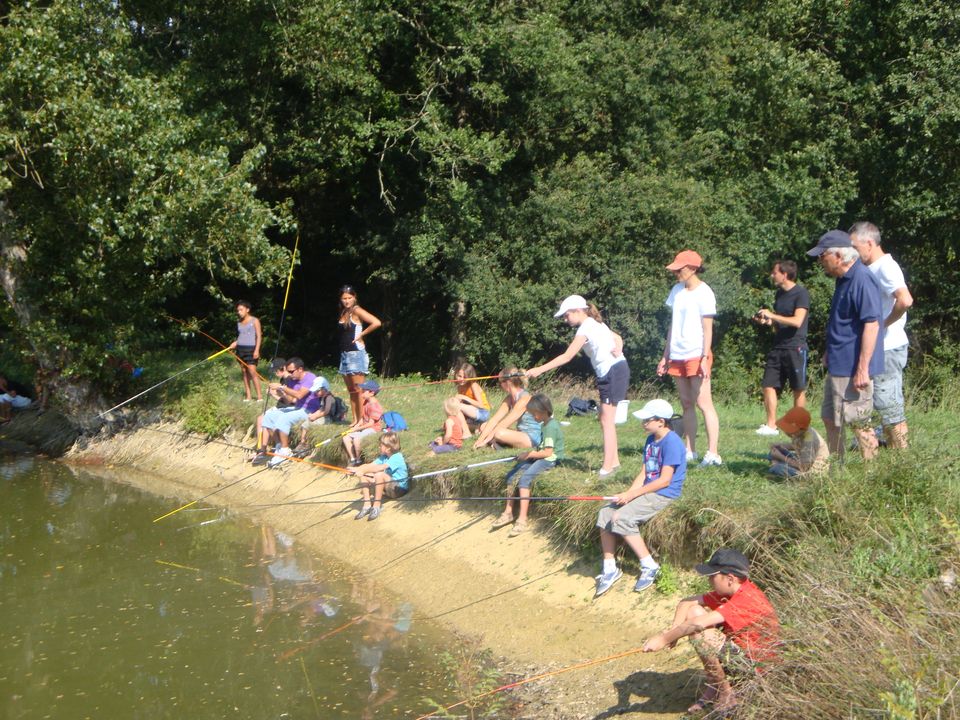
(528, 601)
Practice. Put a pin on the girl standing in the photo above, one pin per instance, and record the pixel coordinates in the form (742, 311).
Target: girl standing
(605, 350)
(247, 347)
(354, 361)
(688, 356)
(513, 409)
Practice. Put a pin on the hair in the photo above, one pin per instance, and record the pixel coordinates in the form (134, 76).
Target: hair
(512, 375)
(788, 268)
(846, 254)
(468, 370)
(540, 404)
(451, 406)
(391, 441)
(296, 362)
(278, 364)
(244, 303)
(866, 230)
(594, 312)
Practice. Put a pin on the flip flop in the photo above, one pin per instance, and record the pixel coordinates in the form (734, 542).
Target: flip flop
(702, 703)
(501, 521)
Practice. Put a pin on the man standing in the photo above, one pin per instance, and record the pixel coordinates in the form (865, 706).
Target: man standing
(854, 348)
(787, 361)
(888, 386)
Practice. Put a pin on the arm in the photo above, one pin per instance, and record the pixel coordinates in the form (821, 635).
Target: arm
(902, 301)
(868, 343)
(638, 488)
(795, 320)
(492, 424)
(707, 343)
(617, 345)
(569, 354)
(259, 333)
(519, 407)
(682, 630)
(665, 359)
(372, 321)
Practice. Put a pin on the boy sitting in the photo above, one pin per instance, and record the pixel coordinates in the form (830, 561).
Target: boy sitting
(733, 628)
(808, 451)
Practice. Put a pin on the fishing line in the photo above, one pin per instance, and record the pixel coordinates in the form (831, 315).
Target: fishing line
(194, 502)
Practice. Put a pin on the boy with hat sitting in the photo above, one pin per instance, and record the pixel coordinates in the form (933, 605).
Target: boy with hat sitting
(370, 423)
(808, 451)
(733, 628)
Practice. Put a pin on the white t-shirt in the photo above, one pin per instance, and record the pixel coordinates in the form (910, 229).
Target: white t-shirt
(890, 277)
(689, 309)
(599, 345)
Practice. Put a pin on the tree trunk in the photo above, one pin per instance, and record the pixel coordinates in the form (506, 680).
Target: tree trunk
(458, 333)
(388, 358)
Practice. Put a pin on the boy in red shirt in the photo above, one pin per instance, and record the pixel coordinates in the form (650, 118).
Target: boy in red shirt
(733, 628)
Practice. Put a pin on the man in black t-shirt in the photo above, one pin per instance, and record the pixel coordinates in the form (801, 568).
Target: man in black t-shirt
(787, 361)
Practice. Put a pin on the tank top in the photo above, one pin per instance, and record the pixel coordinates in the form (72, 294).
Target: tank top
(247, 334)
(456, 437)
(526, 423)
(349, 332)
(482, 399)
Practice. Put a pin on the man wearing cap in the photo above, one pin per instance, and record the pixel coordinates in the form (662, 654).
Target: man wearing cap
(854, 346)
(659, 483)
(278, 421)
(888, 386)
(733, 628)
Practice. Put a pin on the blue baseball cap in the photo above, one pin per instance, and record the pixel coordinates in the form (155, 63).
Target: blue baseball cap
(370, 385)
(829, 241)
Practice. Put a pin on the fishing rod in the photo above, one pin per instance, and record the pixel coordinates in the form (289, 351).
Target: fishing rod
(162, 382)
(335, 437)
(211, 338)
(462, 468)
(194, 502)
(449, 380)
(459, 498)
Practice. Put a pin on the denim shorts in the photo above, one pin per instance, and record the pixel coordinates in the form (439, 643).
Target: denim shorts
(283, 419)
(354, 362)
(888, 387)
(529, 469)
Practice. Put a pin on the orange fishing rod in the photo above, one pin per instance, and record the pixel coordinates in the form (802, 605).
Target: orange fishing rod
(196, 328)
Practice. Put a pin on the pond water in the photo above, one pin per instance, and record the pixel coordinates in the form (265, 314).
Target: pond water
(109, 615)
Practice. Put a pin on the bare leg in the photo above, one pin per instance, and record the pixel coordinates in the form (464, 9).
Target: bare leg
(834, 437)
(608, 428)
(608, 543)
(246, 379)
(710, 418)
(799, 398)
(356, 402)
(770, 406)
(380, 481)
(866, 440)
(251, 372)
(467, 412)
(688, 388)
(708, 644)
(636, 543)
(512, 438)
(896, 435)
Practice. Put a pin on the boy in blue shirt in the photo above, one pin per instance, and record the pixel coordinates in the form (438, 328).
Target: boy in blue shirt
(387, 476)
(658, 484)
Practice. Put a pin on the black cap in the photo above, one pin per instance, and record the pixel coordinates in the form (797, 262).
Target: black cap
(832, 239)
(725, 560)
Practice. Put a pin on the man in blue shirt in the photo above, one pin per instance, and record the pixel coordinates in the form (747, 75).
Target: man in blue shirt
(854, 347)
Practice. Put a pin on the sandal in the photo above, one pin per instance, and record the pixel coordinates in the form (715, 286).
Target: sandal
(702, 703)
(518, 529)
(504, 519)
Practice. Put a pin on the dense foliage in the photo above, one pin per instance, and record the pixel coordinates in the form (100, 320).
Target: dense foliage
(467, 164)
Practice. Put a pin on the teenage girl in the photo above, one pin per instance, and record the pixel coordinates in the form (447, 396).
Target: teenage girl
(688, 356)
(605, 350)
(513, 409)
(354, 361)
(247, 346)
(474, 405)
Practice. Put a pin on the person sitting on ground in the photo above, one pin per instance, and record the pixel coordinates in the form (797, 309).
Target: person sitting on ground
(323, 415)
(733, 628)
(387, 476)
(279, 368)
(452, 438)
(279, 421)
(496, 431)
(370, 423)
(530, 464)
(808, 451)
(659, 483)
(474, 405)
(13, 396)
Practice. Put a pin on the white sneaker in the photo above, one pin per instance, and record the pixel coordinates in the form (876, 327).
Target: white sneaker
(692, 457)
(280, 456)
(767, 430)
(710, 458)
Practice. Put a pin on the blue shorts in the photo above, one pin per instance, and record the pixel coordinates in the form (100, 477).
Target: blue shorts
(529, 470)
(482, 415)
(354, 362)
(613, 386)
(283, 419)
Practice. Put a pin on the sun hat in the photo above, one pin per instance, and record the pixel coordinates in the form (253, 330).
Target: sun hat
(573, 302)
(726, 560)
(320, 384)
(686, 258)
(829, 241)
(371, 385)
(655, 409)
(794, 420)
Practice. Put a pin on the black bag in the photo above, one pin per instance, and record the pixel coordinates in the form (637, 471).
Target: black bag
(579, 406)
(338, 413)
(676, 424)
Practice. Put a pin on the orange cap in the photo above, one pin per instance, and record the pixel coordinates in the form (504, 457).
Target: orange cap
(794, 420)
(685, 258)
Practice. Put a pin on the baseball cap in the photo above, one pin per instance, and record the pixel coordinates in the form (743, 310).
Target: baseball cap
(794, 420)
(573, 302)
(371, 385)
(685, 258)
(655, 409)
(726, 560)
(320, 384)
(830, 240)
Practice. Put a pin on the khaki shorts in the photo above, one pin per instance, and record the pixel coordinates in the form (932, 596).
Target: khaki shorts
(843, 404)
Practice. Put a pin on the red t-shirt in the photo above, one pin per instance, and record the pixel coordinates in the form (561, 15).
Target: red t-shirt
(749, 620)
(373, 412)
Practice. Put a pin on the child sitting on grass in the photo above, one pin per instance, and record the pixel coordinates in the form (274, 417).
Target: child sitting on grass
(533, 462)
(452, 438)
(807, 453)
(370, 422)
(386, 476)
(733, 628)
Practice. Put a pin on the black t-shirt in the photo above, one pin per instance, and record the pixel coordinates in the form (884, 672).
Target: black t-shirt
(786, 303)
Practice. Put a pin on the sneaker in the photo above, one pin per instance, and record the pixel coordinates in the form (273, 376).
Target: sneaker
(692, 457)
(710, 458)
(605, 582)
(261, 458)
(357, 462)
(280, 456)
(363, 513)
(374, 513)
(767, 430)
(647, 576)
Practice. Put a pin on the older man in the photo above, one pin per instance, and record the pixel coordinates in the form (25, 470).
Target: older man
(277, 422)
(888, 386)
(854, 347)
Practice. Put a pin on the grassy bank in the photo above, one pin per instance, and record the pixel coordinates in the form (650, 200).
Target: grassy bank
(858, 562)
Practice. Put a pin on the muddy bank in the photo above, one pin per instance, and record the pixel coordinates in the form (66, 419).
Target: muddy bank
(525, 599)
(48, 432)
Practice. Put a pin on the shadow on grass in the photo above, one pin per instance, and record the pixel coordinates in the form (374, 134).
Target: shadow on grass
(652, 686)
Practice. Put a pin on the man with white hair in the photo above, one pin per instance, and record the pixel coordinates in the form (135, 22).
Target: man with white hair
(888, 386)
(854, 346)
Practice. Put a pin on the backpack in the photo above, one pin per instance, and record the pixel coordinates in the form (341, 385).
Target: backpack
(392, 420)
(579, 406)
(676, 424)
(338, 413)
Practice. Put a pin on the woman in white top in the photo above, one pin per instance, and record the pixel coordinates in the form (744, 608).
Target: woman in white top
(605, 350)
(688, 356)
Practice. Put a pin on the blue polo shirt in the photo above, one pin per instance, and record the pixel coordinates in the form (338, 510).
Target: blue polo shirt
(857, 300)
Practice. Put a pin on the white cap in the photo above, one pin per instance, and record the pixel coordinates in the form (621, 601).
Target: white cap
(320, 383)
(574, 302)
(655, 409)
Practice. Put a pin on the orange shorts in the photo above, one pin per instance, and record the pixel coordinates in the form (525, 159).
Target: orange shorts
(688, 368)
